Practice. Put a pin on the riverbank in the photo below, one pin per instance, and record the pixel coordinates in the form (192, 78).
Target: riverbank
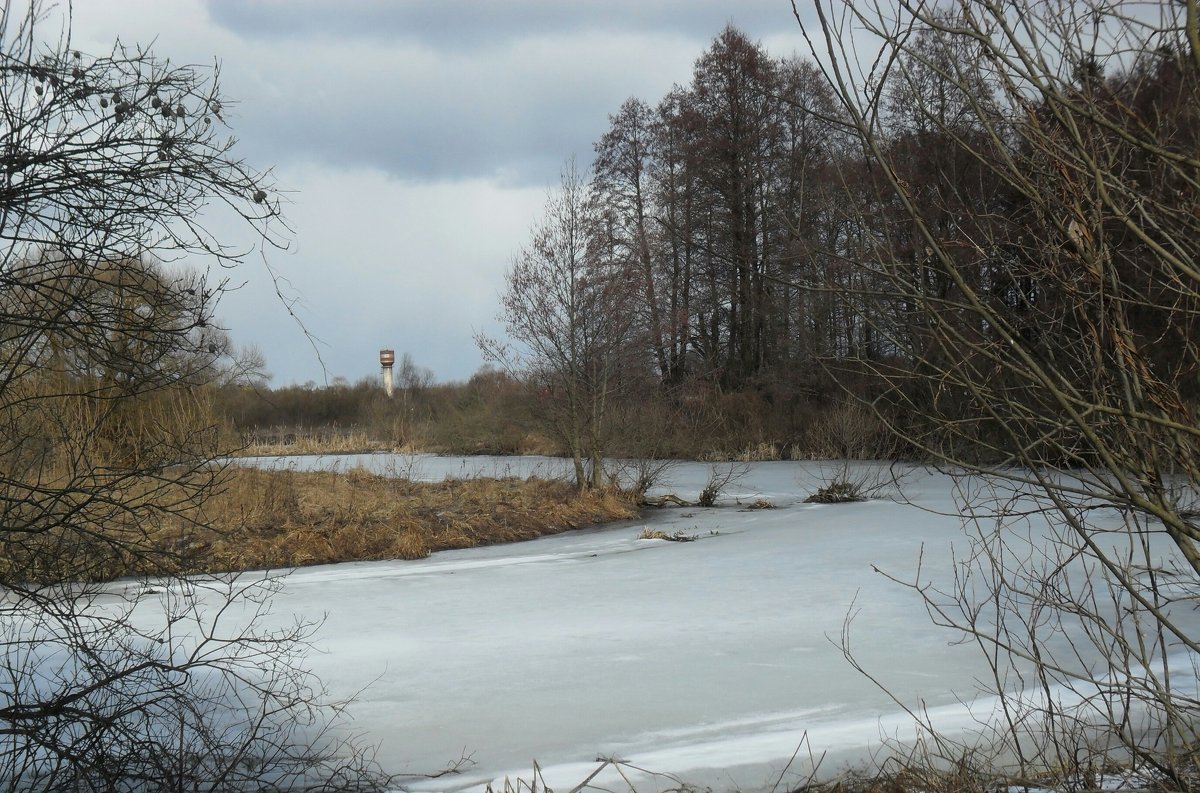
(262, 519)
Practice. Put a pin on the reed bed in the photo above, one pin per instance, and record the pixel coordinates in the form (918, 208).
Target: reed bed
(262, 519)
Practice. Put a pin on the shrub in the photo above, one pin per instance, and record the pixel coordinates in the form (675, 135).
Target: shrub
(849, 431)
(838, 491)
(720, 478)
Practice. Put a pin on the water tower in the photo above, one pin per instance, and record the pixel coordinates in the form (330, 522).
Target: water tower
(387, 359)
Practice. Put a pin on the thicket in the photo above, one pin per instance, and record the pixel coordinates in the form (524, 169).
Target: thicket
(1023, 190)
(495, 412)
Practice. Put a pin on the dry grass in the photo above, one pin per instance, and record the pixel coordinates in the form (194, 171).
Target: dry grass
(271, 519)
(659, 534)
(968, 774)
(275, 442)
(906, 779)
(279, 441)
(750, 453)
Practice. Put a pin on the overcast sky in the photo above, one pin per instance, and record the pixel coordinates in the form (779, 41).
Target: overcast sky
(415, 140)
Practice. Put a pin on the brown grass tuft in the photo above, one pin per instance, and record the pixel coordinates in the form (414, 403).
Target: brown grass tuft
(659, 534)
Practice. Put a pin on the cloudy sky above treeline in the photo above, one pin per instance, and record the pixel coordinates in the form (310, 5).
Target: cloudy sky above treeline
(414, 142)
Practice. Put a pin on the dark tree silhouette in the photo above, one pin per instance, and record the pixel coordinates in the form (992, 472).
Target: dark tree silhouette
(1030, 260)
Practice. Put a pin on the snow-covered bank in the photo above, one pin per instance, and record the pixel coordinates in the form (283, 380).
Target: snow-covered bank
(712, 660)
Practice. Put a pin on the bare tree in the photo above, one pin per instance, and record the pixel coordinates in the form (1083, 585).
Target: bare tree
(1035, 284)
(107, 165)
(564, 310)
(624, 191)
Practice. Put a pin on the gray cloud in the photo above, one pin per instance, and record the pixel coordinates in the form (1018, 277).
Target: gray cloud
(429, 122)
(458, 89)
(472, 24)
(416, 140)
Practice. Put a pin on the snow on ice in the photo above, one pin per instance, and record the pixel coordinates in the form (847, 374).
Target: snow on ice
(717, 661)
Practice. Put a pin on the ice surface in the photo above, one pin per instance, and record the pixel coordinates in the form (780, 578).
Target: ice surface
(713, 660)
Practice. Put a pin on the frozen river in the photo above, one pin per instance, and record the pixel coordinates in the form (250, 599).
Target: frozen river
(714, 660)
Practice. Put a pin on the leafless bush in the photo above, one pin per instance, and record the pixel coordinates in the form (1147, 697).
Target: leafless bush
(107, 357)
(1084, 658)
(849, 431)
(1027, 302)
(837, 491)
(636, 477)
(720, 477)
(124, 700)
(845, 481)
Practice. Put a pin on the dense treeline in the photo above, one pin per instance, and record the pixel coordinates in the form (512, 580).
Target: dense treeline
(708, 207)
(738, 261)
(745, 209)
(777, 234)
(1025, 246)
(494, 412)
(486, 414)
(716, 202)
